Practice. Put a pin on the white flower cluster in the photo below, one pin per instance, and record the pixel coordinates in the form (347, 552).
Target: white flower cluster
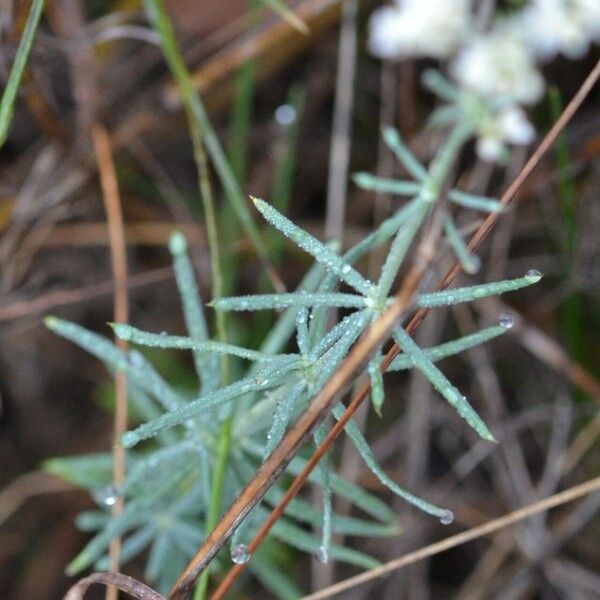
(498, 65)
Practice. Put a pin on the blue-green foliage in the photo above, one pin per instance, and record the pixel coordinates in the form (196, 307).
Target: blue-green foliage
(167, 491)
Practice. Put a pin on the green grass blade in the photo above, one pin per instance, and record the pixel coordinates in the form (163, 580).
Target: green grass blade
(16, 73)
(199, 120)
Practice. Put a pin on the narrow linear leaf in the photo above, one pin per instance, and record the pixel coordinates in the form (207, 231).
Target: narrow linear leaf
(159, 340)
(321, 252)
(278, 301)
(356, 495)
(476, 202)
(398, 250)
(475, 292)
(334, 334)
(302, 540)
(302, 339)
(367, 455)
(206, 363)
(366, 181)
(377, 392)
(16, 73)
(265, 380)
(469, 262)
(281, 417)
(138, 369)
(326, 522)
(441, 383)
(403, 154)
(450, 348)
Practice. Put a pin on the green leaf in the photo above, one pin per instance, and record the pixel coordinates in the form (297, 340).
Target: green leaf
(450, 348)
(476, 202)
(441, 383)
(469, 262)
(205, 362)
(298, 538)
(377, 391)
(403, 154)
(475, 292)
(367, 455)
(366, 181)
(320, 251)
(88, 471)
(279, 301)
(160, 340)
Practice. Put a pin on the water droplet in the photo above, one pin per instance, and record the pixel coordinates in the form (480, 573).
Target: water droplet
(240, 554)
(534, 273)
(322, 555)
(447, 517)
(107, 495)
(285, 114)
(163, 333)
(346, 268)
(507, 320)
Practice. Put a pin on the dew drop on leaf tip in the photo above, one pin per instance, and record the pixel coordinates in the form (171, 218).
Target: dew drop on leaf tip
(447, 517)
(108, 495)
(322, 555)
(240, 554)
(507, 320)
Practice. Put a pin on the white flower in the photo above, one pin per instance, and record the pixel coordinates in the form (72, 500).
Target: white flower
(498, 66)
(515, 127)
(433, 28)
(510, 126)
(552, 27)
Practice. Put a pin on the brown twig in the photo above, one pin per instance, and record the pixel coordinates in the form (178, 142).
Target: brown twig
(26, 486)
(51, 300)
(475, 242)
(129, 585)
(118, 254)
(569, 495)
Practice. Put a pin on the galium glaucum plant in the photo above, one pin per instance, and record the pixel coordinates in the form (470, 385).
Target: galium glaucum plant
(174, 445)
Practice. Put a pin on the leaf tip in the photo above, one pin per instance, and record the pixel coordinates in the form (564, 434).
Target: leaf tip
(177, 244)
(51, 322)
